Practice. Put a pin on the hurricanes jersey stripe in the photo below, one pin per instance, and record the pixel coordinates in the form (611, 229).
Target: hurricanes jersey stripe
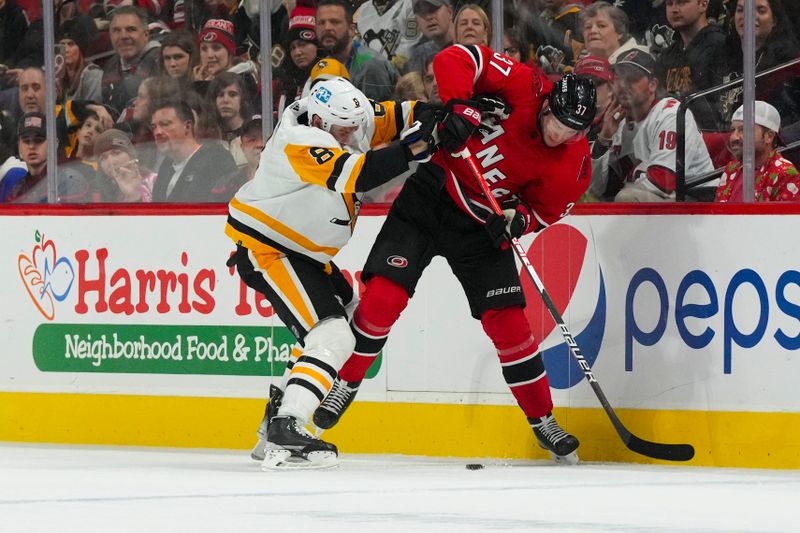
(477, 58)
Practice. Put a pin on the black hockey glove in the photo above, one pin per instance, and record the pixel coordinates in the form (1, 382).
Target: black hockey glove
(420, 131)
(460, 122)
(494, 106)
(425, 111)
(513, 224)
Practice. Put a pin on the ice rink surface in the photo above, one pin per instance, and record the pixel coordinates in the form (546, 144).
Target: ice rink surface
(64, 489)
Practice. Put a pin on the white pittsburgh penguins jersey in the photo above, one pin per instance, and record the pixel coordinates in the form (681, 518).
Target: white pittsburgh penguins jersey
(302, 198)
(389, 28)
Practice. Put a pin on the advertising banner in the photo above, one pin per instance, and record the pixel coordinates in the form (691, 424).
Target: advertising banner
(672, 312)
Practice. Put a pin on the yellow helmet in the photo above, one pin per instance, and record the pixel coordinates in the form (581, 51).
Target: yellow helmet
(329, 68)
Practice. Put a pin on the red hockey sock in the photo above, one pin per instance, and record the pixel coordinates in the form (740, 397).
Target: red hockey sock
(523, 367)
(379, 308)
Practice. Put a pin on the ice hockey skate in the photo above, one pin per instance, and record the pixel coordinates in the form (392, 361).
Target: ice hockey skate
(335, 403)
(290, 447)
(274, 402)
(552, 438)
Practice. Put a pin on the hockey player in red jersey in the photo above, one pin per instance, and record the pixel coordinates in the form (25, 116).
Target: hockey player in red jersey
(528, 137)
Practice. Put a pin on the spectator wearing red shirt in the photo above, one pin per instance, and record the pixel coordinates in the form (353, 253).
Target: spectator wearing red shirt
(776, 178)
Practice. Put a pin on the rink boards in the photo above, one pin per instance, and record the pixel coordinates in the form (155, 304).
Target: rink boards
(125, 327)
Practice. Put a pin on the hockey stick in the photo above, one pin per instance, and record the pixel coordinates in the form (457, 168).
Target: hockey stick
(667, 452)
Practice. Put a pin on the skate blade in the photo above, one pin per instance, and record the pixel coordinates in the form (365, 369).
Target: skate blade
(259, 450)
(315, 430)
(283, 460)
(571, 459)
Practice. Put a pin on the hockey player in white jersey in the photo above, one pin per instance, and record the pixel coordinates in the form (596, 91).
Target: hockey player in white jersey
(291, 220)
(638, 139)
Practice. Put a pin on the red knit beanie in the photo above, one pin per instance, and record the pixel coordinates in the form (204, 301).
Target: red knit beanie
(218, 31)
(302, 25)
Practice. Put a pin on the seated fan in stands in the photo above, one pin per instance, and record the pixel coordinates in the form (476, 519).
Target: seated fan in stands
(776, 178)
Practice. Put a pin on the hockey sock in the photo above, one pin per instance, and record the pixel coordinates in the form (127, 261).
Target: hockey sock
(297, 351)
(520, 359)
(327, 345)
(378, 310)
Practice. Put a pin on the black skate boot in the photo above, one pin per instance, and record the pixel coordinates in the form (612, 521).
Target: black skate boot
(552, 438)
(273, 403)
(290, 446)
(335, 403)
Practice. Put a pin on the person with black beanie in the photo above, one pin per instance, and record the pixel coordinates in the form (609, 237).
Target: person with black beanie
(77, 78)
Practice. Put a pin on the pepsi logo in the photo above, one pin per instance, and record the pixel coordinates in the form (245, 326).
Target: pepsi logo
(567, 267)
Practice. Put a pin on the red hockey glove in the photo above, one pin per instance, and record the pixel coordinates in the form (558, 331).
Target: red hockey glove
(458, 125)
(513, 224)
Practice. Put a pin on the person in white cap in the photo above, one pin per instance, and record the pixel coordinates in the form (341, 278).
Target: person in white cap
(776, 178)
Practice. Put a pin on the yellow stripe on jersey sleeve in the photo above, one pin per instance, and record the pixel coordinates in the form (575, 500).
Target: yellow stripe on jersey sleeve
(280, 228)
(390, 120)
(332, 168)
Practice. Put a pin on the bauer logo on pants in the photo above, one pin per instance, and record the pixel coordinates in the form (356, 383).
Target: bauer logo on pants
(566, 264)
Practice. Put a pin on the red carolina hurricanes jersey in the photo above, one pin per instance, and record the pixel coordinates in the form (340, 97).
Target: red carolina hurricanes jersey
(514, 159)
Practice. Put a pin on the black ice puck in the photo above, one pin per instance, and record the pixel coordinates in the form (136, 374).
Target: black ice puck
(474, 466)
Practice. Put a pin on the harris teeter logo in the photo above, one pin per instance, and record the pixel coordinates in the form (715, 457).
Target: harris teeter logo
(46, 276)
(103, 284)
(565, 263)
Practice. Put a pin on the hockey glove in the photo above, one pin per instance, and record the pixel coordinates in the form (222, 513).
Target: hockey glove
(494, 106)
(425, 111)
(420, 131)
(459, 124)
(512, 225)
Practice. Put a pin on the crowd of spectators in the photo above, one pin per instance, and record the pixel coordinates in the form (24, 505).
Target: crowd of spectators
(160, 100)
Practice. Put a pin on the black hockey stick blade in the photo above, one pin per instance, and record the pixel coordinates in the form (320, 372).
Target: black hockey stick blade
(657, 450)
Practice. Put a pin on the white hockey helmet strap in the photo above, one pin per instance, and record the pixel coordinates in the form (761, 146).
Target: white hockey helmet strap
(338, 103)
